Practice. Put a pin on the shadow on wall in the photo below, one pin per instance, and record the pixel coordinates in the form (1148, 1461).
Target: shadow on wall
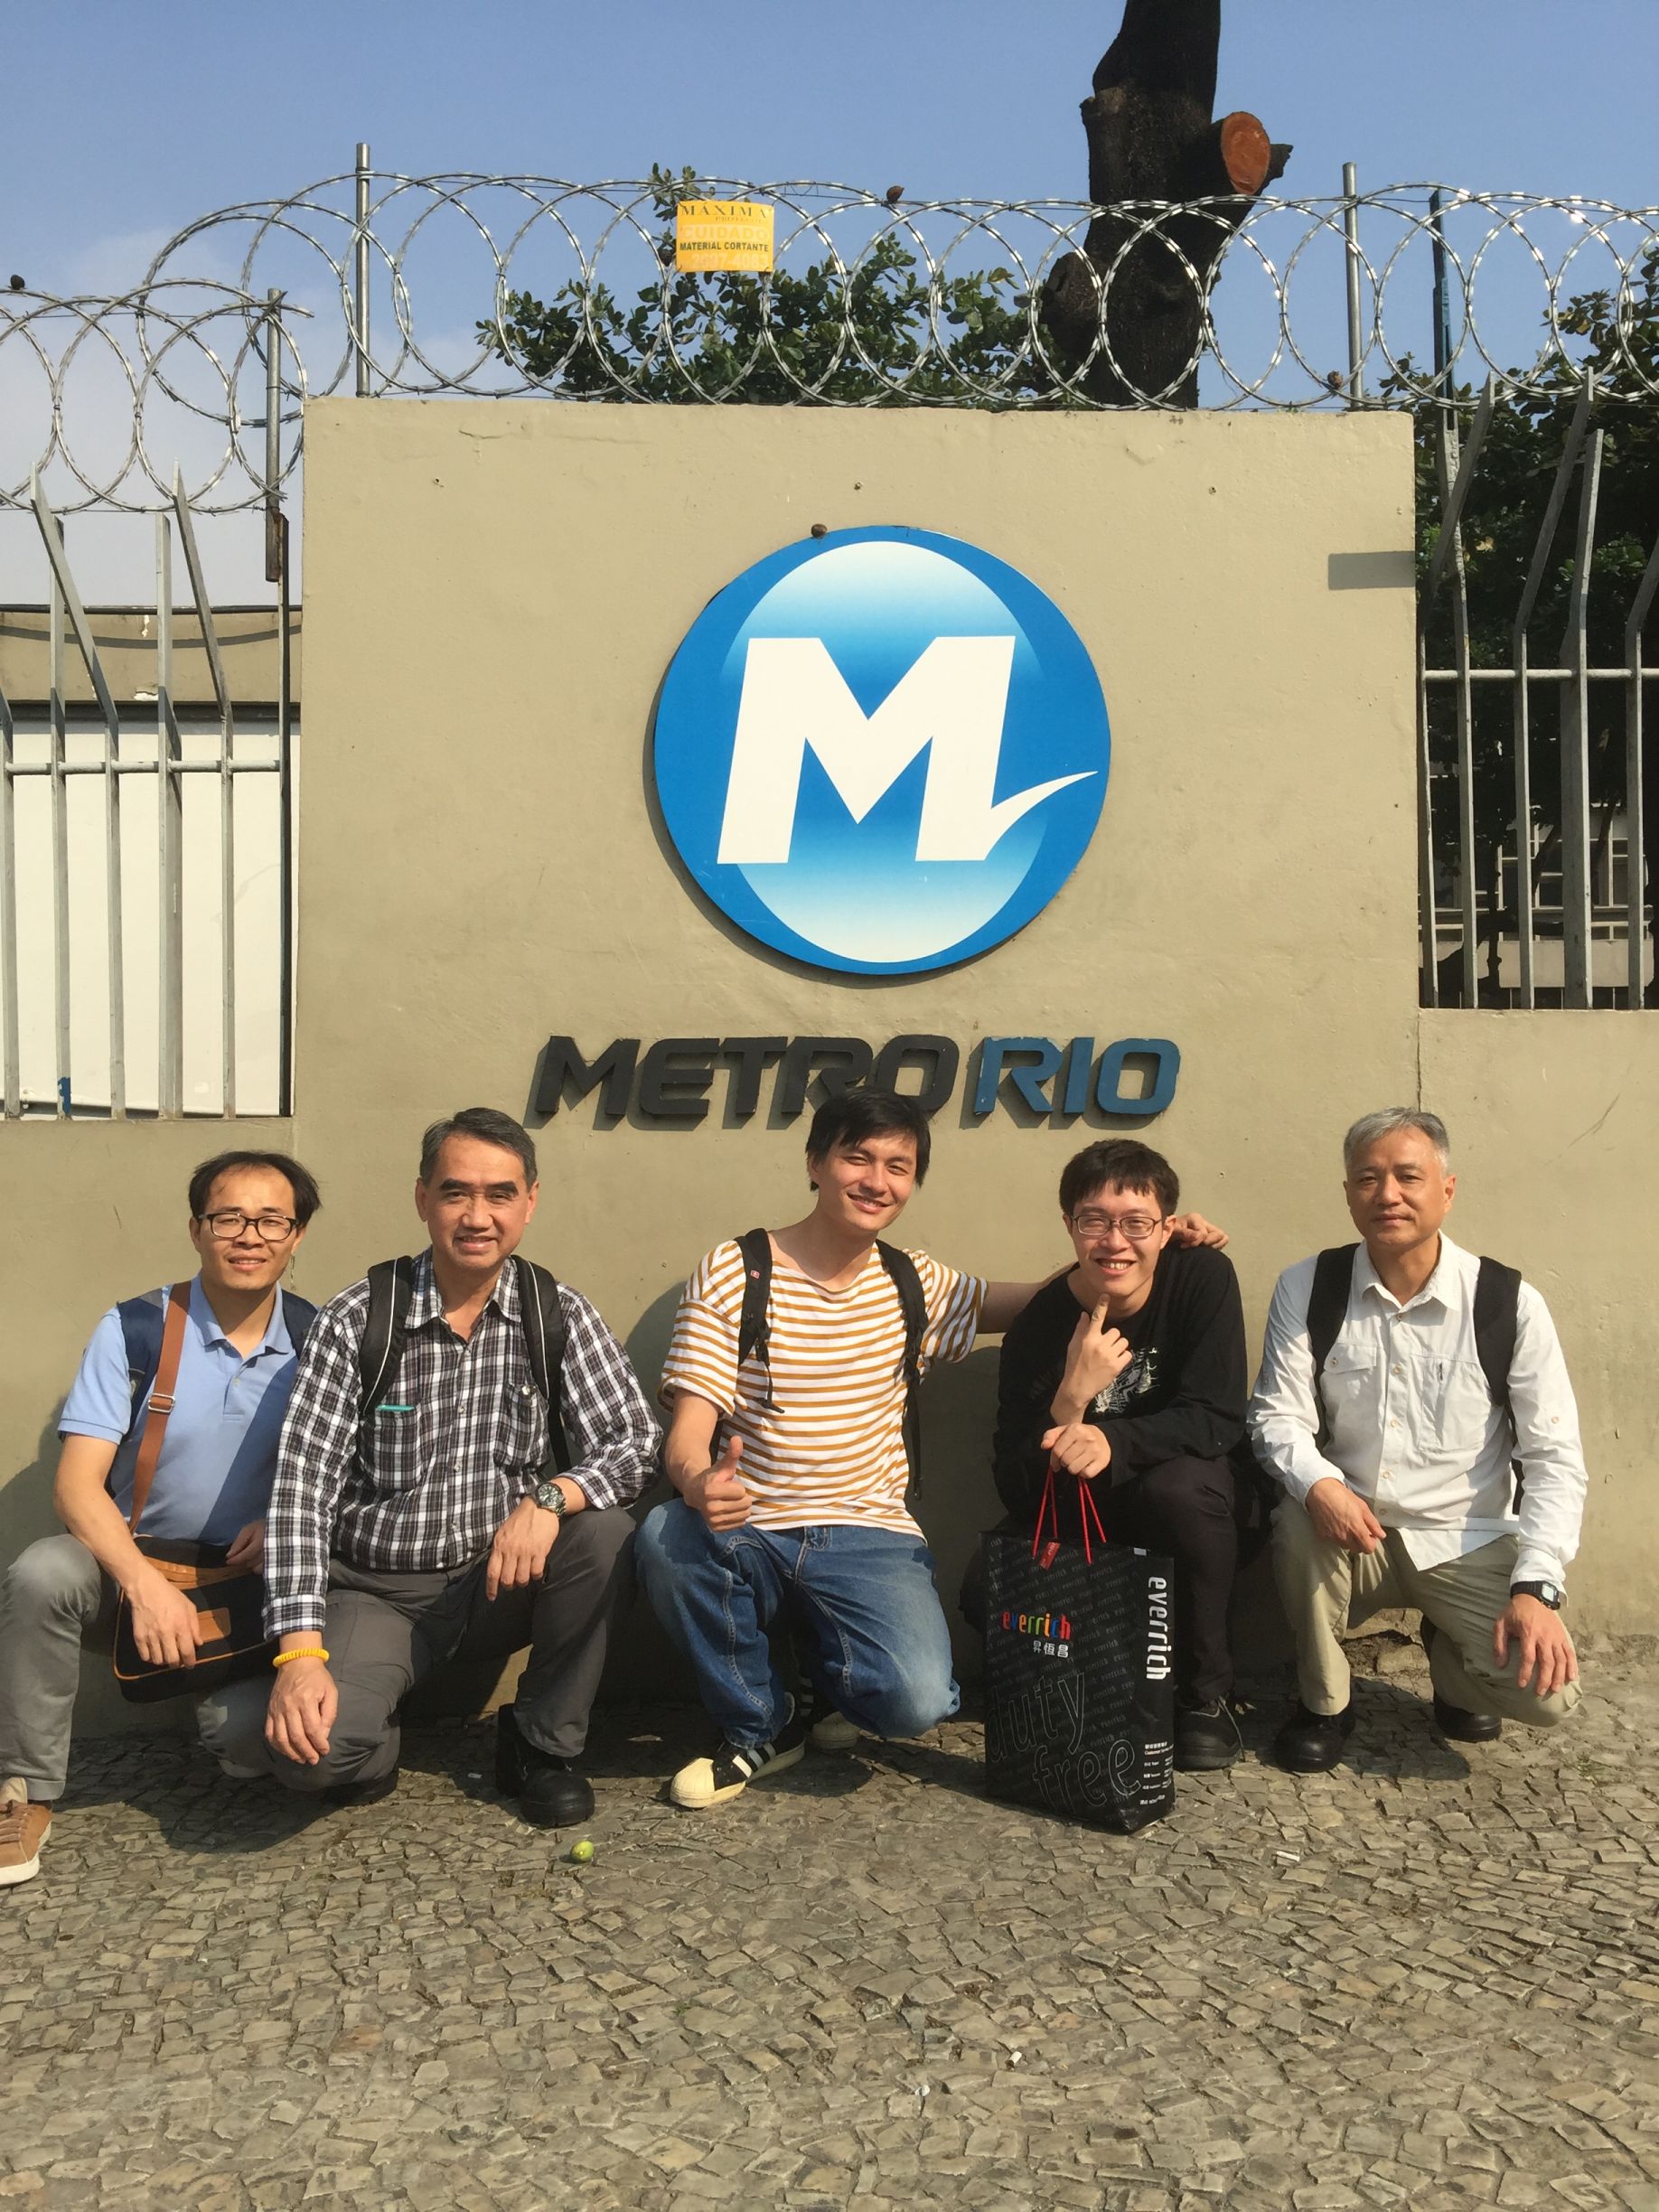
(25, 1498)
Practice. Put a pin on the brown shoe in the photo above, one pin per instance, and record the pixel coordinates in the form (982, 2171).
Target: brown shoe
(23, 1828)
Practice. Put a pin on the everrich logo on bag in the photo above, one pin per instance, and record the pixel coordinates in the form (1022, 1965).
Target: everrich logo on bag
(1050, 1632)
(881, 751)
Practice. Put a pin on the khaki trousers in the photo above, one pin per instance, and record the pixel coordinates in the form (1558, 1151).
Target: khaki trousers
(1324, 1589)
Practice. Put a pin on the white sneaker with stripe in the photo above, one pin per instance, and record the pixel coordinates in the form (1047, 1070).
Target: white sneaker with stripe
(729, 1768)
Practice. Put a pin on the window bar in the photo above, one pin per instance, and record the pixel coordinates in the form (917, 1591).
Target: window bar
(1635, 831)
(1575, 748)
(66, 599)
(226, 790)
(1536, 574)
(170, 845)
(11, 1052)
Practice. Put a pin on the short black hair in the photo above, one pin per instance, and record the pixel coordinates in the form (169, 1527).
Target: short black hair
(490, 1127)
(848, 1117)
(1118, 1162)
(308, 1197)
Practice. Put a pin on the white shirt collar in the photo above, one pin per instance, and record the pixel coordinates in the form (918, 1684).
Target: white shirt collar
(1450, 1271)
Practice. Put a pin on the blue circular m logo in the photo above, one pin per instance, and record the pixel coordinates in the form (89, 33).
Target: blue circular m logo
(881, 751)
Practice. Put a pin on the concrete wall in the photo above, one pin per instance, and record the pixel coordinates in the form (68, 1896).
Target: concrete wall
(494, 593)
(1553, 1122)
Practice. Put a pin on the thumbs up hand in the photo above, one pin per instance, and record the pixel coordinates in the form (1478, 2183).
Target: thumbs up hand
(718, 1494)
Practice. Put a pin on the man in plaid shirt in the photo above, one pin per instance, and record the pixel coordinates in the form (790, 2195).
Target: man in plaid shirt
(438, 1534)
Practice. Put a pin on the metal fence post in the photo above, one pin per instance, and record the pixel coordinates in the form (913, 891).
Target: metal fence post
(169, 845)
(1350, 224)
(359, 273)
(1442, 303)
(273, 436)
(1577, 979)
(1636, 815)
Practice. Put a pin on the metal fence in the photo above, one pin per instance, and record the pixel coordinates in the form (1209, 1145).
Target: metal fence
(382, 285)
(1536, 800)
(146, 966)
(182, 398)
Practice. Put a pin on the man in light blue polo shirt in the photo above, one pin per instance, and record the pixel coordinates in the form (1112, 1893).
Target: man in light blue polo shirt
(247, 1212)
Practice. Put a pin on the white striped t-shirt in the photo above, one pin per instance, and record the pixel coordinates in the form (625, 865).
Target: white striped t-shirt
(829, 1449)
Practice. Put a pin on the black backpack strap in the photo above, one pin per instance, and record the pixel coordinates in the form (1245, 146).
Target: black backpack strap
(912, 1304)
(297, 1313)
(541, 1315)
(1327, 1307)
(391, 1286)
(753, 1334)
(141, 1336)
(1498, 1317)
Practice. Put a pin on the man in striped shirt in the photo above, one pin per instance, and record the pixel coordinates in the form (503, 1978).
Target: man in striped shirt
(792, 1472)
(433, 1528)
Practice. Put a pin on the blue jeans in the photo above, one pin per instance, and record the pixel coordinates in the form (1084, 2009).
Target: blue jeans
(868, 1623)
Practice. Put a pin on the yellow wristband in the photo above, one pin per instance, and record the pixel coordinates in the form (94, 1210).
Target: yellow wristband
(310, 1651)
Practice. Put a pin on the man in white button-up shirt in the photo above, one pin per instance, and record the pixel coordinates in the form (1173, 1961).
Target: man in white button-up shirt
(1396, 1464)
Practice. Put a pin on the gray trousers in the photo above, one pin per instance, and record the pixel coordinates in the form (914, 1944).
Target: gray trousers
(385, 1632)
(1325, 1589)
(54, 1598)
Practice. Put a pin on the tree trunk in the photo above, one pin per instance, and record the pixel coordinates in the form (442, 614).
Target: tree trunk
(1127, 310)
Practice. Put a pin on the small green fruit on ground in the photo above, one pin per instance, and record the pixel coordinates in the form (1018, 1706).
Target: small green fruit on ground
(583, 1852)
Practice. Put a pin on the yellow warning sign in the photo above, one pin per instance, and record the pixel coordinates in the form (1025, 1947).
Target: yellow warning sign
(723, 234)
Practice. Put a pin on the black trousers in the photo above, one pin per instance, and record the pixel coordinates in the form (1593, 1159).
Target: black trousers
(1188, 1511)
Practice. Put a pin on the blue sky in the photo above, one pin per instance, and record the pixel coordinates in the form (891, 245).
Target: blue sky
(137, 120)
(172, 109)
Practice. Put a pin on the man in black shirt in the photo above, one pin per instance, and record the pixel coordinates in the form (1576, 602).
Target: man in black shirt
(1128, 1371)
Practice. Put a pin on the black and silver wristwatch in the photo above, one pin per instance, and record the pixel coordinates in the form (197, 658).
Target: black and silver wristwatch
(550, 1498)
(1547, 1593)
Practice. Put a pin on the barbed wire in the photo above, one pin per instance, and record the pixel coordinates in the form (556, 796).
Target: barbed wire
(529, 285)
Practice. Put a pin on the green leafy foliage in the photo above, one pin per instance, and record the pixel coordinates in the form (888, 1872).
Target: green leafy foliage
(869, 336)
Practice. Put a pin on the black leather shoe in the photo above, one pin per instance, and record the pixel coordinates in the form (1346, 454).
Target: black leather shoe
(550, 1792)
(1453, 1722)
(1461, 1727)
(361, 1793)
(1206, 1738)
(1311, 1742)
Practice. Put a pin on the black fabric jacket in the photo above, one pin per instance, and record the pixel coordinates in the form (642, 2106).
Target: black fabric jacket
(1182, 1396)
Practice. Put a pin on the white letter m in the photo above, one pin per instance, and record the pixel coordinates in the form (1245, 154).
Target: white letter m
(953, 699)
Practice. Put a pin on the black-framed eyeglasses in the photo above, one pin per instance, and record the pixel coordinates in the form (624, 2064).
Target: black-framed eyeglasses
(274, 1228)
(1136, 1227)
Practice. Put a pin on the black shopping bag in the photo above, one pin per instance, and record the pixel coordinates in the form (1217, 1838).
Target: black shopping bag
(1080, 1687)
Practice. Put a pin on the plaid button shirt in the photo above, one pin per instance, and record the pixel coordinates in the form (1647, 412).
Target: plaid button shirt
(460, 1438)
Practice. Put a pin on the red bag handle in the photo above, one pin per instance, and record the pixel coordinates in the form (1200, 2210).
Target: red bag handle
(1087, 1511)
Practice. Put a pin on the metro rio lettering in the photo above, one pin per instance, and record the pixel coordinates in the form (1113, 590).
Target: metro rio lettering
(669, 1082)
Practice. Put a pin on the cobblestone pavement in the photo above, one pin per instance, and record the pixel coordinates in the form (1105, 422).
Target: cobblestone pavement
(1431, 1978)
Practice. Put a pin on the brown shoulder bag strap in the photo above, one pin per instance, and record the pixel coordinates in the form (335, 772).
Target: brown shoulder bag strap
(161, 1400)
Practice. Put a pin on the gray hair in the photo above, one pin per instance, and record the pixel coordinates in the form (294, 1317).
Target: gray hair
(1370, 1127)
(489, 1126)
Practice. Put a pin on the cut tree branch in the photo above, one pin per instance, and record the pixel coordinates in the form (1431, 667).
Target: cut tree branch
(1129, 310)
